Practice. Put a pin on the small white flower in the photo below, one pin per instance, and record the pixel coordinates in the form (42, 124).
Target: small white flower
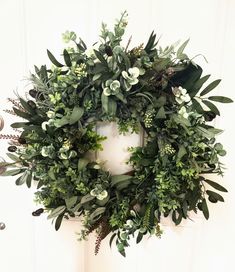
(107, 91)
(181, 95)
(102, 195)
(183, 112)
(44, 151)
(129, 224)
(90, 53)
(134, 72)
(50, 114)
(132, 75)
(44, 125)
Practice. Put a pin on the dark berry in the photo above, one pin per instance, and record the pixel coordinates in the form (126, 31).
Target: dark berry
(12, 148)
(38, 212)
(199, 205)
(22, 140)
(209, 116)
(33, 93)
(212, 199)
(108, 50)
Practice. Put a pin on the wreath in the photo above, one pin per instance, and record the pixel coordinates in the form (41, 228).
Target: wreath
(147, 88)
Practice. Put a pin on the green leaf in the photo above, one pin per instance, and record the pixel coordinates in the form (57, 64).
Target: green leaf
(12, 172)
(19, 124)
(211, 106)
(139, 237)
(76, 115)
(197, 86)
(86, 198)
(82, 163)
(221, 99)
(150, 44)
(197, 106)
(161, 113)
(21, 180)
(111, 239)
(210, 87)
(53, 59)
(105, 101)
(12, 156)
(29, 179)
(58, 221)
(97, 213)
(181, 49)
(56, 212)
(182, 151)
(26, 106)
(70, 202)
(215, 195)
(177, 219)
(216, 185)
(118, 179)
(205, 132)
(205, 209)
(100, 57)
(22, 114)
(112, 107)
(67, 58)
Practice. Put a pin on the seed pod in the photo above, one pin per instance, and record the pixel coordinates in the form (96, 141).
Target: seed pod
(212, 199)
(12, 148)
(199, 205)
(31, 104)
(108, 50)
(33, 93)
(38, 212)
(209, 116)
(22, 140)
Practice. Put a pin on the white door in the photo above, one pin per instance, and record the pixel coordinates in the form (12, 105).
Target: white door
(27, 29)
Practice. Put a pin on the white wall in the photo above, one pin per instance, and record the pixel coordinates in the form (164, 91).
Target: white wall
(27, 29)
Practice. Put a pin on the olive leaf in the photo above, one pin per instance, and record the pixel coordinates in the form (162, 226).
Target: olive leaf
(221, 99)
(53, 59)
(216, 185)
(210, 87)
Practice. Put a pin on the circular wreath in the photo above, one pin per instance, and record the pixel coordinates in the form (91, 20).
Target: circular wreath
(145, 88)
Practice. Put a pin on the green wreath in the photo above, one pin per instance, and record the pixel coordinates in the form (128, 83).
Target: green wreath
(145, 88)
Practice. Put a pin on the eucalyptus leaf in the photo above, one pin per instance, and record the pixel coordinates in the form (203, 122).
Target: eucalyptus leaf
(86, 198)
(161, 113)
(118, 179)
(76, 115)
(82, 163)
(97, 213)
(70, 202)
